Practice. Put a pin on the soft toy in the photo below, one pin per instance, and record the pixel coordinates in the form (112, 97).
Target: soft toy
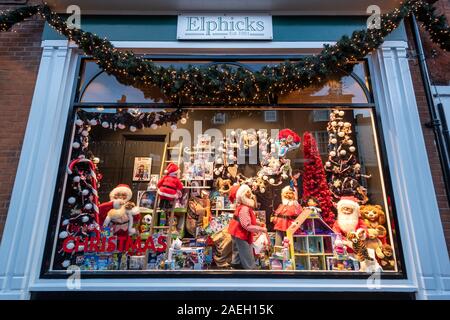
(365, 256)
(373, 242)
(169, 185)
(348, 218)
(119, 213)
(288, 140)
(285, 214)
(373, 215)
(387, 262)
(223, 185)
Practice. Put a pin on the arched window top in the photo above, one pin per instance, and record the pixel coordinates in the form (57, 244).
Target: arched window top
(99, 87)
(346, 90)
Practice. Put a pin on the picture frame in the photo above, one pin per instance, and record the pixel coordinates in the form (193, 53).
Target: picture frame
(153, 183)
(142, 169)
(146, 198)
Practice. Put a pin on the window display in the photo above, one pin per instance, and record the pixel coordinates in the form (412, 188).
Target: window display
(245, 194)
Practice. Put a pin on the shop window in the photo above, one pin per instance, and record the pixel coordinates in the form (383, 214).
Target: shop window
(316, 171)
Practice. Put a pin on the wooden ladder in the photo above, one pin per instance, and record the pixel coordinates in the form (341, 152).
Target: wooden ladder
(166, 159)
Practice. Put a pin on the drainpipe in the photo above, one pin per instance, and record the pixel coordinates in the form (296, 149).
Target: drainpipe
(434, 123)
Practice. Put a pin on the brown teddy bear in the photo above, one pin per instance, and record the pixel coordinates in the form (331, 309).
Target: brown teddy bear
(387, 262)
(373, 215)
(373, 242)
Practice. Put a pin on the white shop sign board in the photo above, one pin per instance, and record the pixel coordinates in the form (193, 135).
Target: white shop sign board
(224, 27)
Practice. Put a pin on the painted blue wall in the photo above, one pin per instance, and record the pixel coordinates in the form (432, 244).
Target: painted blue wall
(164, 28)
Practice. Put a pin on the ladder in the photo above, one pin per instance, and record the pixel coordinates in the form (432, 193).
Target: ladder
(166, 159)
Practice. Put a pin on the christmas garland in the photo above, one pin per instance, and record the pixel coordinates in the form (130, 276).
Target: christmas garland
(236, 85)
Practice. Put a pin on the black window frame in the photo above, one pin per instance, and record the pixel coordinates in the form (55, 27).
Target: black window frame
(205, 274)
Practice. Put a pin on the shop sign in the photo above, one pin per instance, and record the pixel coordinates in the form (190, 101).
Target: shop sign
(224, 27)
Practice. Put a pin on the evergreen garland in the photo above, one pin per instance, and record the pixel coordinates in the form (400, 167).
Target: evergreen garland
(236, 85)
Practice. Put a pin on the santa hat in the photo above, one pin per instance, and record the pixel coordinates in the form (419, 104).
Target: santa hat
(171, 168)
(350, 201)
(285, 134)
(121, 188)
(240, 193)
(233, 191)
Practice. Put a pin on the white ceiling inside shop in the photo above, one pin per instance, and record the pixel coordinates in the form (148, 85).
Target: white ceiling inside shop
(279, 7)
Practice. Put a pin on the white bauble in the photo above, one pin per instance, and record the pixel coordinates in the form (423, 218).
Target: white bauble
(341, 134)
(340, 123)
(85, 133)
(349, 142)
(183, 121)
(265, 177)
(262, 190)
(85, 219)
(343, 152)
(328, 164)
(93, 122)
(88, 206)
(71, 200)
(347, 124)
(154, 126)
(76, 179)
(334, 123)
(272, 180)
(65, 263)
(341, 113)
(334, 141)
(133, 128)
(79, 122)
(76, 145)
(105, 124)
(336, 111)
(85, 192)
(352, 149)
(121, 126)
(173, 127)
(65, 222)
(63, 234)
(70, 245)
(332, 153)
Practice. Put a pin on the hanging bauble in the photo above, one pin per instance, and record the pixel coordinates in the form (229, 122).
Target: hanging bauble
(340, 123)
(271, 180)
(265, 177)
(88, 206)
(76, 179)
(105, 124)
(352, 149)
(262, 190)
(343, 152)
(85, 133)
(76, 145)
(332, 153)
(219, 161)
(63, 234)
(334, 123)
(96, 160)
(347, 124)
(154, 126)
(85, 192)
(70, 245)
(183, 120)
(349, 142)
(65, 263)
(341, 134)
(71, 200)
(173, 127)
(334, 141)
(85, 219)
(121, 126)
(341, 113)
(133, 128)
(93, 122)
(328, 164)
(79, 122)
(65, 222)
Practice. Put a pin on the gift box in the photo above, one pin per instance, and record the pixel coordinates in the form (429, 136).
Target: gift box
(187, 258)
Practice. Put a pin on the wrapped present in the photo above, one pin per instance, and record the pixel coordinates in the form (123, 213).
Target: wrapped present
(187, 258)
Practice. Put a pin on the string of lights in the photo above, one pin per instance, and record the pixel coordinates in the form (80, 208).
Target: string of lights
(236, 85)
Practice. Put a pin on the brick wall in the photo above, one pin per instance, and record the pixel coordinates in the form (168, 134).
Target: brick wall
(439, 68)
(20, 54)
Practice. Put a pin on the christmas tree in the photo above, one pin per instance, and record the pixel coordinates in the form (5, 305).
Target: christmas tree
(342, 167)
(314, 179)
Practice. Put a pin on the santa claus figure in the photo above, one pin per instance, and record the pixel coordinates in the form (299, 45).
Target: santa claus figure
(243, 227)
(348, 219)
(286, 213)
(169, 186)
(119, 213)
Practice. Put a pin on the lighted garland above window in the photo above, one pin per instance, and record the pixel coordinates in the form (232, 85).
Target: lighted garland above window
(221, 84)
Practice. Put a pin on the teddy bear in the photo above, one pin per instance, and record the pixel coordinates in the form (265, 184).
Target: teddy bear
(373, 242)
(373, 215)
(387, 262)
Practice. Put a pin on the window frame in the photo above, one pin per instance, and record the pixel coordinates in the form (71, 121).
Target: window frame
(58, 193)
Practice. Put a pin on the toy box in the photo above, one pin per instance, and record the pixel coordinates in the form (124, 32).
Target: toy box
(187, 258)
